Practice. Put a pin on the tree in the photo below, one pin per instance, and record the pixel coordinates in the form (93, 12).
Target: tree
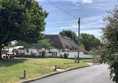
(110, 50)
(70, 34)
(20, 43)
(21, 20)
(45, 43)
(89, 41)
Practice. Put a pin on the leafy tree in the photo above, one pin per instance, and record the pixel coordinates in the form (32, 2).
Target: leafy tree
(20, 43)
(45, 43)
(21, 20)
(89, 41)
(110, 49)
(70, 34)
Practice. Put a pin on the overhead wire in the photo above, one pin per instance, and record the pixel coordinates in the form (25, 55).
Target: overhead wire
(61, 9)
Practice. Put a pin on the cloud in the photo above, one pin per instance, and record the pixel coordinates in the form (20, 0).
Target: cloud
(68, 27)
(83, 1)
(83, 27)
(96, 33)
(73, 1)
(89, 23)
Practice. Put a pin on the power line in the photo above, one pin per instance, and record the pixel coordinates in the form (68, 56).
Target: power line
(61, 9)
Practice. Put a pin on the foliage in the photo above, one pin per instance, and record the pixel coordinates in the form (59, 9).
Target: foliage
(110, 50)
(70, 34)
(66, 55)
(45, 43)
(91, 52)
(81, 46)
(21, 20)
(89, 41)
(61, 56)
(43, 54)
(20, 43)
(94, 52)
(10, 44)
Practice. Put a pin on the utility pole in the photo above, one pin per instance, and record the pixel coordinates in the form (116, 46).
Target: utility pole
(78, 40)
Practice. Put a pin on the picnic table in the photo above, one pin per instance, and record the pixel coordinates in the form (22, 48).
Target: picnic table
(9, 55)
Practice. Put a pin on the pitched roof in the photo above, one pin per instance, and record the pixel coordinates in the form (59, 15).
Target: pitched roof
(61, 42)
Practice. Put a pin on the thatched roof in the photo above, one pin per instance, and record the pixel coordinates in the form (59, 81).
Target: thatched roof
(61, 42)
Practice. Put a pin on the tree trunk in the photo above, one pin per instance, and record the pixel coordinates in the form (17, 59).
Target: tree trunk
(0, 44)
(0, 52)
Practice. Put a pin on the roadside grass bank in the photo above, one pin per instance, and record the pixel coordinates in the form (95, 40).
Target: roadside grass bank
(11, 71)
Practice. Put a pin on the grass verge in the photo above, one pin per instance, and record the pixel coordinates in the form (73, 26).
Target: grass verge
(11, 71)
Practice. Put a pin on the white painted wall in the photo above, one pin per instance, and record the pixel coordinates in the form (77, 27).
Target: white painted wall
(73, 54)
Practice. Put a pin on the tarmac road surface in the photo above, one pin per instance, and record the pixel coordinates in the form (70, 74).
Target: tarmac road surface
(92, 74)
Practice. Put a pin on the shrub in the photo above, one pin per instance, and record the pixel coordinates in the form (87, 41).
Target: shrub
(66, 55)
(61, 56)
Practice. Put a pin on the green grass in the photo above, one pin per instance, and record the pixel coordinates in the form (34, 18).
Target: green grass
(11, 71)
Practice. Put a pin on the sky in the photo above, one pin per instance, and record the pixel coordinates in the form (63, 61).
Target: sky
(64, 16)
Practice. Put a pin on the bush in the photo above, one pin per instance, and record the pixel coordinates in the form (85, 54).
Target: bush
(66, 55)
(61, 56)
(43, 54)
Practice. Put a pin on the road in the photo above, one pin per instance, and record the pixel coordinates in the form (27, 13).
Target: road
(92, 74)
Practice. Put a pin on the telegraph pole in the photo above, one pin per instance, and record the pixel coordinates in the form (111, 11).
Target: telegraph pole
(78, 40)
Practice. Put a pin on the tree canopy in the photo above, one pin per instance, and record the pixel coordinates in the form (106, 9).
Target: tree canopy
(21, 20)
(70, 34)
(110, 50)
(45, 43)
(20, 43)
(89, 41)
